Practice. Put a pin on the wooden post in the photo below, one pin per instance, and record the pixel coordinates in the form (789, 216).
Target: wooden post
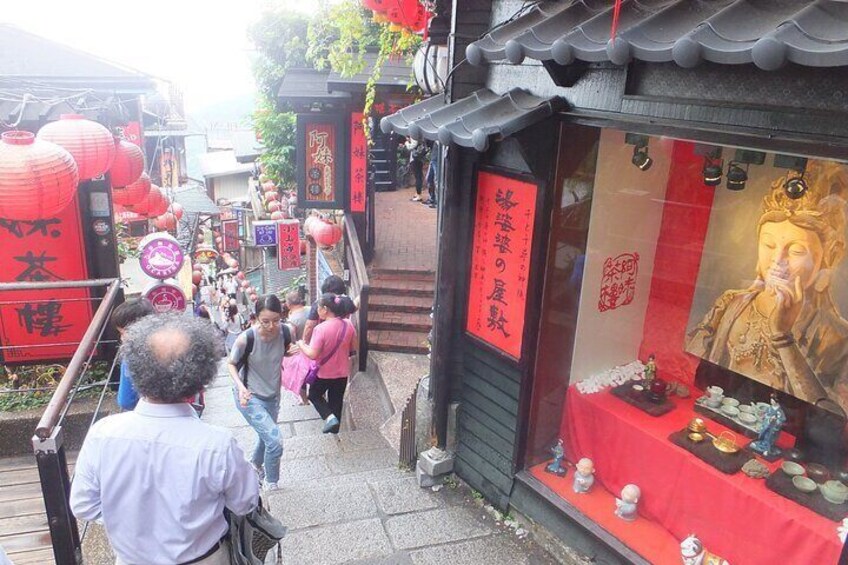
(312, 268)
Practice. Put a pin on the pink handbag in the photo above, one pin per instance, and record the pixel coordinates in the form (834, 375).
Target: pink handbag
(299, 369)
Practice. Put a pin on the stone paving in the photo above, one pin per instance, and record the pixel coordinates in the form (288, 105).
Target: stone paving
(405, 232)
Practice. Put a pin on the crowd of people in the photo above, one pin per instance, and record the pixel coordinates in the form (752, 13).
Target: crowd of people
(177, 472)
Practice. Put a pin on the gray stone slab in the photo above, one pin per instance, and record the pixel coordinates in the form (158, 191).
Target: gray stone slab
(404, 495)
(359, 440)
(307, 469)
(301, 508)
(228, 417)
(341, 543)
(246, 437)
(443, 525)
(397, 558)
(369, 477)
(296, 412)
(310, 446)
(502, 548)
(308, 427)
(359, 461)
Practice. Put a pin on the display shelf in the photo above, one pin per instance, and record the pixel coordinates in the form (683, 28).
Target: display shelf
(625, 393)
(725, 420)
(781, 483)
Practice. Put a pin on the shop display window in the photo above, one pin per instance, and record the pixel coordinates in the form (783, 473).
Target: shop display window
(693, 286)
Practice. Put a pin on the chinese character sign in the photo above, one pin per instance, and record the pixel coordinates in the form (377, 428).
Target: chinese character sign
(169, 168)
(358, 163)
(132, 133)
(500, 262)
(33, 324)
(320, 162)
(288, 244)
(264, 233)
(230, 233)
(618, 283)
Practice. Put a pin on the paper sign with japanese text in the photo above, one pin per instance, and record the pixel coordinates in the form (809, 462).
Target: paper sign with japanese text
(500, 262)
(288, 244)
(230, 234)
(43, 325)
(358, 163)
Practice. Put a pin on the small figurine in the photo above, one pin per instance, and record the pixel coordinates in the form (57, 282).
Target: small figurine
(651, 368)
(693, 553)
(625, 507)
(584, 476)
(773, 419)
(555, 466)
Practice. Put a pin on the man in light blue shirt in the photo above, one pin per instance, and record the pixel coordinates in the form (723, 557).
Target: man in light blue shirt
(158, 477)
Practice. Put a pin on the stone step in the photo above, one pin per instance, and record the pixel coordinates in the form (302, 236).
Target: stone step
(424, 289)
(398, 341)
(405, 274)
(400, 321)
(390, 303)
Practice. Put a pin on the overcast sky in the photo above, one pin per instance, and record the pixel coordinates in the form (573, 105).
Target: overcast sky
(201, 45)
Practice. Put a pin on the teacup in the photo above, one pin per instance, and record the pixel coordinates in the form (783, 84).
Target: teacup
(715, 392)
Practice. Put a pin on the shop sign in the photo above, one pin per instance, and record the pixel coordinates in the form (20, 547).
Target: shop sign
(205, 255)
(229, 232)
(265, 233)
(288, 244)
(321, 162)
(132, 133)
(618, 282)
(160, 256)
(500, 262)
(169, 168)
(43, 325)
(358, 163)
(165, 297)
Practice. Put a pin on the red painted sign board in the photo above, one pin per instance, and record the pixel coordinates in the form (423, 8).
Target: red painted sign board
(500, 262)
(321, 162)
(230, 233)
(358, 163)
(288, 244)
(43, 325)
(132, 133)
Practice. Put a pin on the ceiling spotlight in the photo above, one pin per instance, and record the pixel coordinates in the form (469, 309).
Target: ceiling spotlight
(736, 176)
(640, 150)
(795, 188)
(713, 167)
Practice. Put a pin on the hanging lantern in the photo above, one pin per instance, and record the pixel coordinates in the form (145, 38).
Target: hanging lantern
(273, 207)
(177, 209)
(150, 205)
(240, 276)
(326, 234)
(200, 238)
(277, 215)
(245, 284)
(303, 247)
(252, 296)
(132, 193)
(128, 164)
(309, 223)
(166, 222)
(268, 186)
(37, 178)
(91, 144)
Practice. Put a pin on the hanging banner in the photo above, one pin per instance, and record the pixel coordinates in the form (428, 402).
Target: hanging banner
(230, 233)
(132, 133)
(358, 163)
(169, 168)
(43, 325)
(264, 233)
(500, 263)
(321, 162)
(288, 244)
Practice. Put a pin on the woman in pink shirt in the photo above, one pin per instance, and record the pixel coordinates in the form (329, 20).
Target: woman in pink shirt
(333, 342)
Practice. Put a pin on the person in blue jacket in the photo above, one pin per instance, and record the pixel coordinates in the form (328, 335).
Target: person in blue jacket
(125, 314)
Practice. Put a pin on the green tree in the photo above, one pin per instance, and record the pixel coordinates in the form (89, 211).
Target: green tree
(277, 130)
(280, 40)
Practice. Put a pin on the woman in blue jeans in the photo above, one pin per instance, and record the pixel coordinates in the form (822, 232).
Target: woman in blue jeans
(254, 365)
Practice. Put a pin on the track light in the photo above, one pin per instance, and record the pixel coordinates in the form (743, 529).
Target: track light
(713, 165)
(736, 176)
(794, 186)
(640, 159)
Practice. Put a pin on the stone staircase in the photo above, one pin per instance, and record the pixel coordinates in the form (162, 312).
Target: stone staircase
(399, 309)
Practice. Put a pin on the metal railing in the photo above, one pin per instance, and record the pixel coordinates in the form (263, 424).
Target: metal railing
(359, 285)
(408, 450)
(48, 441)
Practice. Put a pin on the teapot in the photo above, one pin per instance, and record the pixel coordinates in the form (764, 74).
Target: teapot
(658, 389)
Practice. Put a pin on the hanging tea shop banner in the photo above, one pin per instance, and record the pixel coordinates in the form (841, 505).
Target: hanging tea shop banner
(43, 325)
(320, 161)
(500, 261)
(230, 235)
(288, 244)
(358, 163)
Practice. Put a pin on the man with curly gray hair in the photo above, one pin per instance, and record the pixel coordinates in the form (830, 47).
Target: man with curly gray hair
(158, 477)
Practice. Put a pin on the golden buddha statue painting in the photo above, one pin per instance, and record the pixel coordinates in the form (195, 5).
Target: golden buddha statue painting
(785, 330)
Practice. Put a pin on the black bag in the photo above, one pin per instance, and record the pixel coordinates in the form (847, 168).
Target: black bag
(242, 364)
(251, 537)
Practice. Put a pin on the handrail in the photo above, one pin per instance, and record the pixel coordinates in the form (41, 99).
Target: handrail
(51, 414)
(359, 274)
(53, 285)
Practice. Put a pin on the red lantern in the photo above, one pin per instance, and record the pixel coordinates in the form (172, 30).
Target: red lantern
(91, 144)
(151, 205)
(177, 209)
(277, 215)
(166, 221)
(271, 196)
(240, 276)
(273, 207)
(128, 164)
(268, 186)
(309, 223)
(37, 178)
(303, 247)
(245, 284)
(132, 193)
(326, 234)
(196, 277)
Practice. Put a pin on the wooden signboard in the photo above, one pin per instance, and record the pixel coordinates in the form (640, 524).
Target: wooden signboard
(321, 161)
(358, 163)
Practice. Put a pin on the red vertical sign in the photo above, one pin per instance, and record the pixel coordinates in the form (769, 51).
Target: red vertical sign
(45, 324)
(230, 234)
(500, 261)
(358, 163)
(320, 162)
(288, 244)
(132, 133)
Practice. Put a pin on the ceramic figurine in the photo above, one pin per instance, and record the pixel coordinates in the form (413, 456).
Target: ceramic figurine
(693, 553)
(651, 368)
(625, 507)
(584, 476)
(773, 419)
(555, 466)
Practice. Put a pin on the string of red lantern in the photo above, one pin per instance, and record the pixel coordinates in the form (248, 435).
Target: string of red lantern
(128, 165)
(90, 144)
(132, 193)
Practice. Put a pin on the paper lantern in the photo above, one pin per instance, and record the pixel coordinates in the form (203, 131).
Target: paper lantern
(90, 144)
(196, 277)
(326, 234)
(240, 276)
(128, 164)
(277, 215)
(177, 209)
(271, 196)
(245, 284)
(132, 193)
(268, 186)
(151, 205)
(166, 221)
(273, 207)
(308, 224)
(38, 179)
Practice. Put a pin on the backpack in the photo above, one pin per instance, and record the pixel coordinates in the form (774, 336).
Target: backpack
(251, 537)
(243, 363)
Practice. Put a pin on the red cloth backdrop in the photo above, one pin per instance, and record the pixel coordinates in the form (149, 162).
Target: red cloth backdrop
(686, 215)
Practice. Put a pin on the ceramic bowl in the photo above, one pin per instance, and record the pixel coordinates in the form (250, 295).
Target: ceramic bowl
(804, 484)
(715, 391)
(834, 492)
(762, 407)
(747, 409)
(842, 475)
(792, 469)
(818, 473)
(731, 411)
(793, 454)
(747, 418)
(712, 402)
(727, 401)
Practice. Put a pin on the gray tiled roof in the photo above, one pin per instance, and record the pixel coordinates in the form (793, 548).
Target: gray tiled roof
(768, 33)
(195, 201)
(395, 72)
(306, 85)
(473, 120)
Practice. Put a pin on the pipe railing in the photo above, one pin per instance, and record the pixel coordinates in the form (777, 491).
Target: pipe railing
(359, 285)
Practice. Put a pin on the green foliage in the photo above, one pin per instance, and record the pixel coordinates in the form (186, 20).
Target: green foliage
(127, 245)
(44, 379)
(339, 36)
(277, 130)
(280, 40)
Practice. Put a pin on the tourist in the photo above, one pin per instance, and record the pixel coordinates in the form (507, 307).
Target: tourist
(333, 342)
(254, 365)
(332, 285)
(233, 325)
(123, 316)
(298, 313)
(417, 153)
(433, 176)
(158, 477)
